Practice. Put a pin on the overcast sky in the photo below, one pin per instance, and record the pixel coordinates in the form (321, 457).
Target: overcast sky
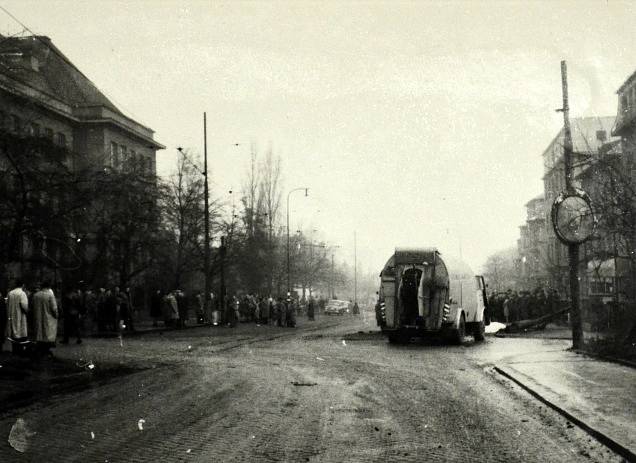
(413, 123)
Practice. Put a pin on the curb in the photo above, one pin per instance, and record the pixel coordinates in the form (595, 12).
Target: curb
(620, 361)
(602, 438)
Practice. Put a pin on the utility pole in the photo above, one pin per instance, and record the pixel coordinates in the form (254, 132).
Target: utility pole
(355, 268)
(222, 258)
(573, 248)
(206, 258)
(332, 280)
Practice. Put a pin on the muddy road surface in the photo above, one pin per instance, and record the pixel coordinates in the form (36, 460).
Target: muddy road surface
(328, 391)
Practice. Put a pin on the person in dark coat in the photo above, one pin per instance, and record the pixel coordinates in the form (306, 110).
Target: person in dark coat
(290, 311)
(155, 307)
(112, 307)
(182, 304)
(310, 308)
(3, 319)
(71, 310)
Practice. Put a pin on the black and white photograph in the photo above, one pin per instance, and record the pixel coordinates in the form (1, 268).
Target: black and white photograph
(317, 231)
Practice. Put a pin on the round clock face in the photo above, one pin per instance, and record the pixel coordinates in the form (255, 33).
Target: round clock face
(572, 218)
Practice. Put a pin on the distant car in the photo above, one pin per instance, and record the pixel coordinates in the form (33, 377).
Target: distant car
(337, 307)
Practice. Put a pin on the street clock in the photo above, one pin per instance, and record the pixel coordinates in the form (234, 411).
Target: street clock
(572, 217)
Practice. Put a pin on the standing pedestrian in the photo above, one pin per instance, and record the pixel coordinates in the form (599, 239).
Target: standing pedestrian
(200, 310)
(264, 309)
(281, 319)
(310, 309)
(71, 311)
(3, 320)
(90, 303)
(124, 317)
(45, 315)
(290, 312)
(17, 309)
(129, 315)
(155, 307)
(173, 307)
(112, 309)
(182, 303)
(506, 307)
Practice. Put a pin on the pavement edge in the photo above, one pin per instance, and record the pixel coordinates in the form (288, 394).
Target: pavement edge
(603, 438)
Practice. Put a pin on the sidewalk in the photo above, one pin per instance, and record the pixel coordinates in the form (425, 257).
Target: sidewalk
(601, 395)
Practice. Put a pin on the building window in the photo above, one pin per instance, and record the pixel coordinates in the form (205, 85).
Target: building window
(149, 161)
(61, 139)
(114, 155)
(48, 133)
(624, 105)
(3, 120)
(601, 286)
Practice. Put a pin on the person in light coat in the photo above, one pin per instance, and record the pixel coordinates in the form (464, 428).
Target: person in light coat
(45, 316)
(173, 306)
(17, 309)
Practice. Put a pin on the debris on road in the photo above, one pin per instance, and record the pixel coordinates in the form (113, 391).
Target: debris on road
(296, 383)
(19, 435)
(140, 424)
(494, 327)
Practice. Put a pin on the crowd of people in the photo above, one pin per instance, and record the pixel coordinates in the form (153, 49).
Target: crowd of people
(173, 309)
(30, 316)
(512, 306)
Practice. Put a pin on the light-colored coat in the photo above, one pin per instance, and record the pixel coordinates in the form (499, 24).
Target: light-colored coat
(17, 308)
(45, 315)
(174, 307)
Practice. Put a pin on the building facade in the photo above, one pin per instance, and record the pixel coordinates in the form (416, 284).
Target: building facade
(625, 229)
(43, 94)
(589, 135)
(532, 246)
(47, 103)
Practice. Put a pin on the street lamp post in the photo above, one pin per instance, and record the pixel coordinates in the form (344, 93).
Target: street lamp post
(288, 243)
(333, 284)
(206, 256)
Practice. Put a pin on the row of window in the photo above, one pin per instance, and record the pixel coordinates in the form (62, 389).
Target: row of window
(122, 157)
(628, 98)
(16, 125)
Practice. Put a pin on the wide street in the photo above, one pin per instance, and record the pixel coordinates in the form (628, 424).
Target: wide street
(332, 390)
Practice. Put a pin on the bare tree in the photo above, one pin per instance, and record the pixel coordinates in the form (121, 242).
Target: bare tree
(183, 215)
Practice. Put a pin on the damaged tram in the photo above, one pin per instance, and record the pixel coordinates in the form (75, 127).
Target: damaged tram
(422, 294)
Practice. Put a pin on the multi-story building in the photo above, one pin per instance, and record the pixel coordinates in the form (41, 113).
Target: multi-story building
(589, 134)
(44, 96)
(625, 128)
(532, 246)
